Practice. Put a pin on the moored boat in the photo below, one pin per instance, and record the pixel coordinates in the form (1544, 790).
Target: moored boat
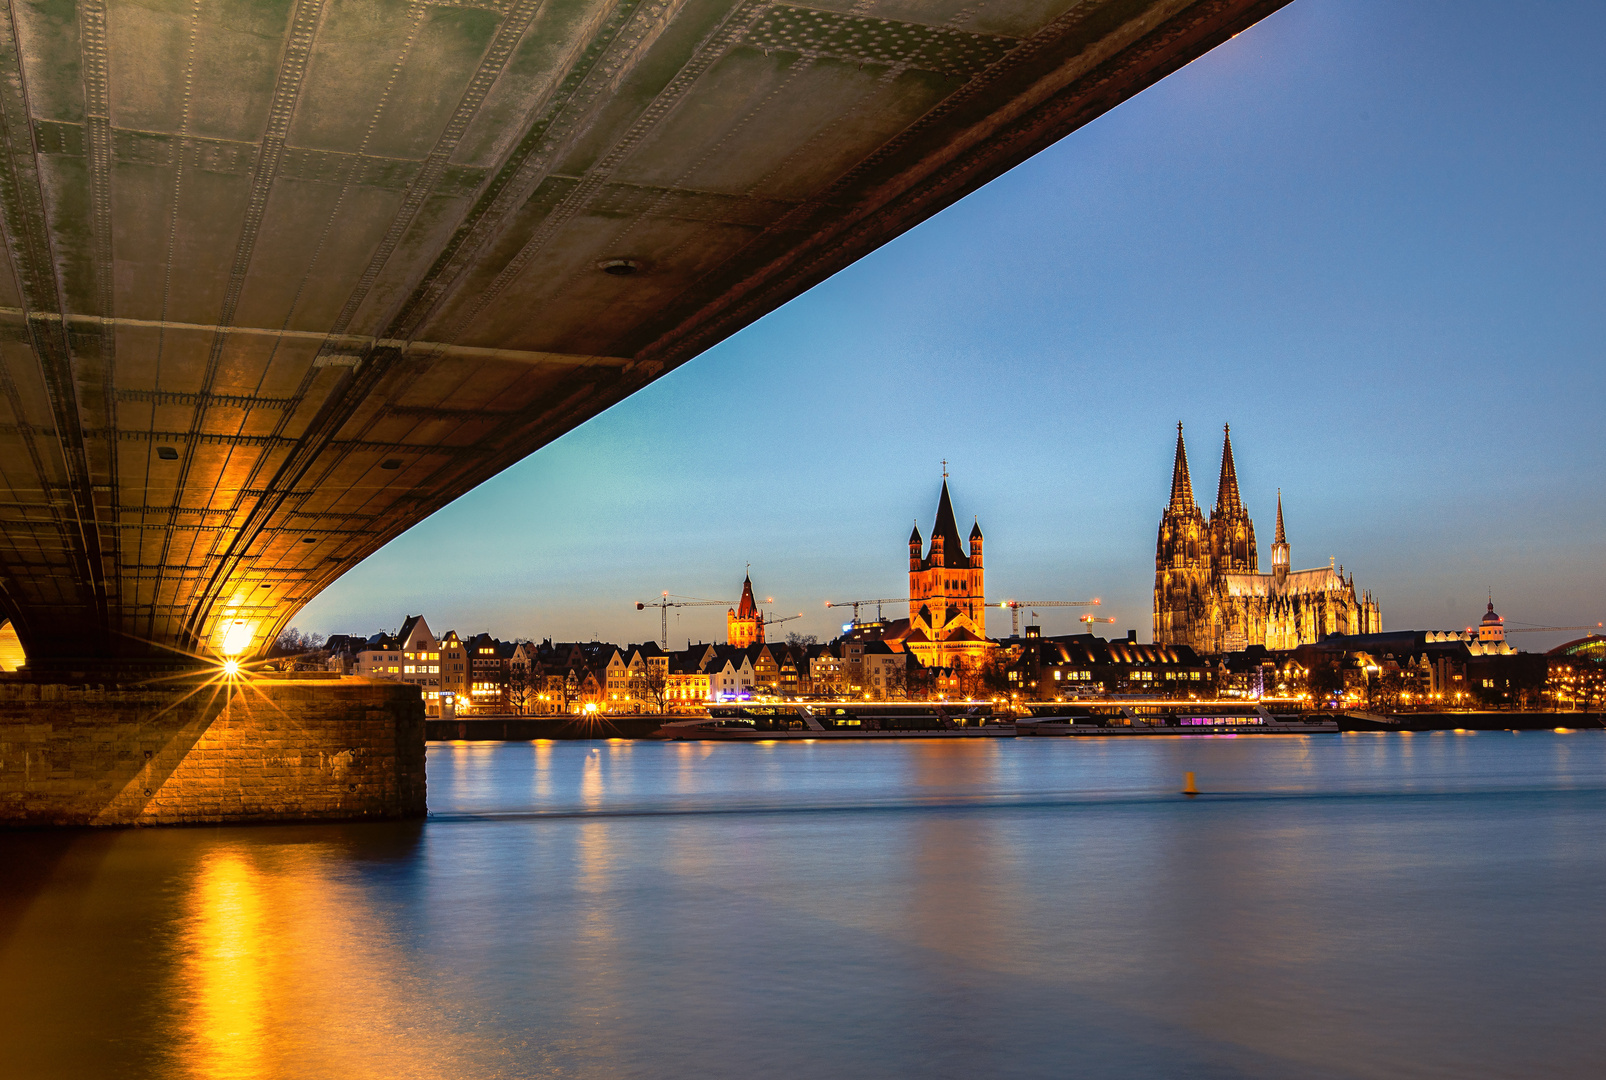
(846, 720)
(1171, 717)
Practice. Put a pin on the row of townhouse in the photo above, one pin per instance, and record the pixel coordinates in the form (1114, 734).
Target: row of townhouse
(483, 674)
(454, 675)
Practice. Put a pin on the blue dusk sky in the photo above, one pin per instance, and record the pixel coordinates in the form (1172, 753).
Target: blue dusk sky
(1370, 235)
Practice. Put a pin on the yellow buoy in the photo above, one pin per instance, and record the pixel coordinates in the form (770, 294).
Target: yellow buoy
(1188, 786)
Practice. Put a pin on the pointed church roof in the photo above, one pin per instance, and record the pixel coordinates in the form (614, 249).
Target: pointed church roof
(914, 534)
(1181, 482)
(1281, 537)
(748, 607)
(953, 551)
(975, 530)
(1228, 500)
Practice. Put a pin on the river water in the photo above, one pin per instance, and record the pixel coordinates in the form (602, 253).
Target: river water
(1329, 906)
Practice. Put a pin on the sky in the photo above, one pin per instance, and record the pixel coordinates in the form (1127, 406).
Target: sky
(1370, 235)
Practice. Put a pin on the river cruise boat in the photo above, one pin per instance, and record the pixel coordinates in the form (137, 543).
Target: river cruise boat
(846, 720)
(1171, 717)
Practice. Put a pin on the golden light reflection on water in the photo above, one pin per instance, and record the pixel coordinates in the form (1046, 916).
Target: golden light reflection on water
(285, 969)
(227, 970)
(541, 775)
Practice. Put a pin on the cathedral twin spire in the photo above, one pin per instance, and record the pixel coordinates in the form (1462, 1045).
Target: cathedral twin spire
(1231, 533)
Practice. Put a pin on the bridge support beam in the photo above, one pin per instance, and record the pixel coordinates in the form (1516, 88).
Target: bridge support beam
(164, 754)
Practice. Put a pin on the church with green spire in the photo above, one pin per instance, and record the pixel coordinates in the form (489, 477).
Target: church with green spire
(1209, 593)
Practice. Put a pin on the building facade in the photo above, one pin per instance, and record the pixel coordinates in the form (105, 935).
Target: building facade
(947, 593)
(1209, 593)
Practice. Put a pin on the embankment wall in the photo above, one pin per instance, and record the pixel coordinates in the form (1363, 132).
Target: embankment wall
(169, 754)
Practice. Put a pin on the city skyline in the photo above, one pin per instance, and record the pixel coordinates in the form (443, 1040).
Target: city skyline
(1409, 350)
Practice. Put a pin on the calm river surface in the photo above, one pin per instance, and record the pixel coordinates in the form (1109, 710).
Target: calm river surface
(1331, 906)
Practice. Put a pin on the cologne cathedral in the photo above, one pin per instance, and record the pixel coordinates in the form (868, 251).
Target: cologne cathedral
(1209, 593)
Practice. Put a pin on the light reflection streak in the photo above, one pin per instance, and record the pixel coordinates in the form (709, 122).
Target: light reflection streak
(591, 780)
(227, 971)
(285, 968)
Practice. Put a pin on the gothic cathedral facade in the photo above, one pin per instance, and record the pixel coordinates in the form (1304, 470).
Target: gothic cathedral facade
(1209, 593)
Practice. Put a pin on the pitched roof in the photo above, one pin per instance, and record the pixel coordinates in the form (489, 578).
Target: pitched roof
(407, 626)
(747, 607)
(953, 550)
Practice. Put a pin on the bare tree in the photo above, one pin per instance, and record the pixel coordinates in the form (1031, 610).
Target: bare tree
(292, 642)
(654, 684)
(801, 641)
(522, 680)
(898, 680)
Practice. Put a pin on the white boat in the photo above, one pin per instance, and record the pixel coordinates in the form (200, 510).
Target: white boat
(1171, 717)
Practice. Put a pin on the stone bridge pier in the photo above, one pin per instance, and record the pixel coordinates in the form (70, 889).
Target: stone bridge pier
(193, 749)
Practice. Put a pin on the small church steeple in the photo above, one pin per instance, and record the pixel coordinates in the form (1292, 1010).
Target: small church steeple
(1279, 545)
(744, 623)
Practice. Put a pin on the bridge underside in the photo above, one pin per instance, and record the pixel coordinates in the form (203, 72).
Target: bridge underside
(283, 277)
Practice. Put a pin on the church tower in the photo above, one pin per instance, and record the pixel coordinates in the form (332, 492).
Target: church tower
(947, 591)
(744, 623)
(1181, 561)
(1232, 534)
(1279, 547)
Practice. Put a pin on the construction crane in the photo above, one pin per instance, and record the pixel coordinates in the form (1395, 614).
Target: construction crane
(666, 603)
(1548, 629)
(1089, 619)
(1014, 607)
(784, 618)
(855, 604)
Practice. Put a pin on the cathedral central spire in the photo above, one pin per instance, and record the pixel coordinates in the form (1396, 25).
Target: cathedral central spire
(1181, 482)
(1279, 546)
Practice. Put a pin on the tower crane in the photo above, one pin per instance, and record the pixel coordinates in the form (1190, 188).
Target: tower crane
(784, 618)
(663, 605)
(1547, 629)
(1014, 607)
(1089, 619)
(855, 604)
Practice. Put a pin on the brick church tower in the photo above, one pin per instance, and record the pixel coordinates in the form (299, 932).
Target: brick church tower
(744, 623)
(947, 592)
